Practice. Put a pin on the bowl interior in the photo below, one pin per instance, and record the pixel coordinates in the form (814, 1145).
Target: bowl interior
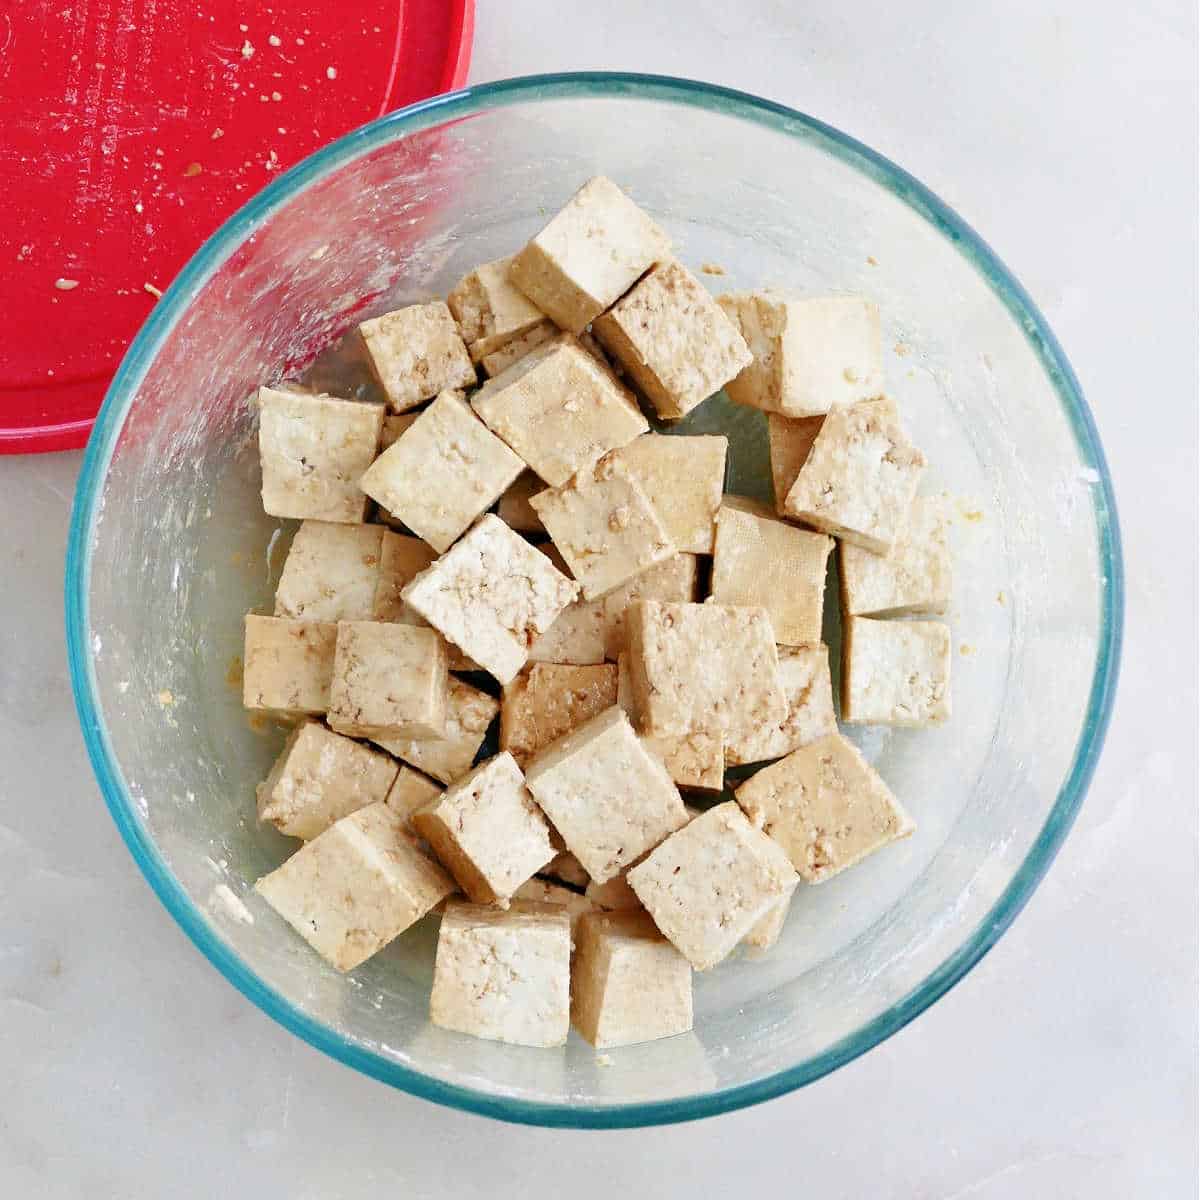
(171, 547)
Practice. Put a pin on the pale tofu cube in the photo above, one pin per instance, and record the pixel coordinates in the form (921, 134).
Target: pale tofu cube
(393, 427)
(804, 677)
(559, 409)
(320, 777)
(913, 579)
(287, 666)
(492, 595)
(895, 672)
(513, 508)
(860, 477)
(504, 976)
(487, 831)
(825, 807)
(615, 895)
(410, 792)
(503, 358)
(415, 353)
(356, 886)
(313, 451)
(704, 668)
(711, 883)
(604, 526)
(592, 251)
(684, 477)
(675, 579)
(609, 798)
(388, 681)
(770, 564)
(566, 868)
(766, 933)
(449, 755)
(628, 983)
(445, 470)
(330, 573)
(672, 340)
(548, 700)
(490, 310)
(539, 891)
(577, 635)
(790, 439)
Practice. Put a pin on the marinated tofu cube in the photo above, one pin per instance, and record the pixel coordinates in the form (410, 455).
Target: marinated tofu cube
(490, 310)
(503, 358)
(674, 579)
(548, 700)
(393, 427)
(825, 807)
(591, 253)
(766, 933)
(410, 792)
(402, 559)
(415, 353)
(566, 868)
(790, 438)
(614, 896)
(287, 666)
(895, 672)
(539, 891)
(330, 573)
(514, 509)
(577, 635)
(672, 340)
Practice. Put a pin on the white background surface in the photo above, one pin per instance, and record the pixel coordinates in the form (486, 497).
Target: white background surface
(1065, 1064)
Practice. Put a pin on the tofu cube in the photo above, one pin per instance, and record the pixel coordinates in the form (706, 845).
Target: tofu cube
(330, 573)
(610, 799)
(539, 891)
(504, 976)
(825, 807)
(388, 681)
(790, 439)
(672, 340)
(445, 470)
(548, 700)
(773, 565)
(320, 777)
(628, 983)
(356, 886)
(511, 352)
(683, 478)
(566, 868)
(449, 755)
(487, 831)
(287, 666)
(513, 508)
(559, 409)
(313, 451)
(804, 677)
(592, 251)
(860, 477)
(704, 668)
(811, 354)
(766, 933)
(492, 595)
(577, 635)
(415, 353)
(895, 672)
(490, 310)
(393, 427)
(711, 883)
(614, 896)
(914, 578)
(674, 579)
(604, 526)
(410, 792)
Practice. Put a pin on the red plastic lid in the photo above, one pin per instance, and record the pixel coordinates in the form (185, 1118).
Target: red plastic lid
(131, 130)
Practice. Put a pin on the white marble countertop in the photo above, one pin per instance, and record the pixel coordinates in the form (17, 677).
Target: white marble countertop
(1065, 1064)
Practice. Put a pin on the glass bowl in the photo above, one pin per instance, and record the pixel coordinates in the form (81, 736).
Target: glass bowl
(169, 547)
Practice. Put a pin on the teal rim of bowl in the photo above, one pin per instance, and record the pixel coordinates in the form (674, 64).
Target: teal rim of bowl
(465, 103)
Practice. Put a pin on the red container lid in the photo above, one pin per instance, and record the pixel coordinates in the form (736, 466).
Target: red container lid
(132, 128)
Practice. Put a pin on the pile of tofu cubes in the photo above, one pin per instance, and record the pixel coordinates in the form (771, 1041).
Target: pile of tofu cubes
(645, 630)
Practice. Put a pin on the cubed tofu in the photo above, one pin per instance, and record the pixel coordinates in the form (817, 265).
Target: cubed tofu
(811, 354)
(511, 352)
(613, 896)
(566, 868)
(313, 451)
(628, 983)
(895, 672)
(592, 251)
(683, 477)
(504, 976)
(487, 831)
(711, 883)
(672, 340)
(914, 578)
(825, 807)
(539, 891)
(389, 681)
(559, 409)
(675, 579)
(492, 595)
(356, 886)
(449, 755)
(445, 470)
(320, 777)
(859, 479)
(490, 310)
(393, 427)
(577, 635)
(549, 699)
(604, 525)
(287, 666)
(331, 572)
(804, 677)
(415, 353)
(790, 439)
(610, 799)
(513, 508)
(770, 564)
(766, 933)
(410, 792)
(703, 668)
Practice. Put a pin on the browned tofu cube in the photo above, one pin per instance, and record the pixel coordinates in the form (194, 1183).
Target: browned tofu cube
(548, 700)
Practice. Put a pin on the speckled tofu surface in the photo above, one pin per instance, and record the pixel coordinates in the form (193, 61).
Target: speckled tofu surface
(511, 352)
(490, 310)
(331, 572)
(614, 895)
(410, 792)
(674, 579)
(541, 891)
(416, 352)
(287, 666)
(393, 426)
(895, 672)
(566, 868)
(790, 439)
(766, 933)
(548, 700)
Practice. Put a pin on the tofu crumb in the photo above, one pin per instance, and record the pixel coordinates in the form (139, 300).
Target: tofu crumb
(247, 50)
(66, 285)
(153, 291)
(192, 169)
(709, 268)
(165, 697)
(274, 41)
(331, 72)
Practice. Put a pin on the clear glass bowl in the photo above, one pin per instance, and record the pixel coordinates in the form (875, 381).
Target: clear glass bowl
(169, 547)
